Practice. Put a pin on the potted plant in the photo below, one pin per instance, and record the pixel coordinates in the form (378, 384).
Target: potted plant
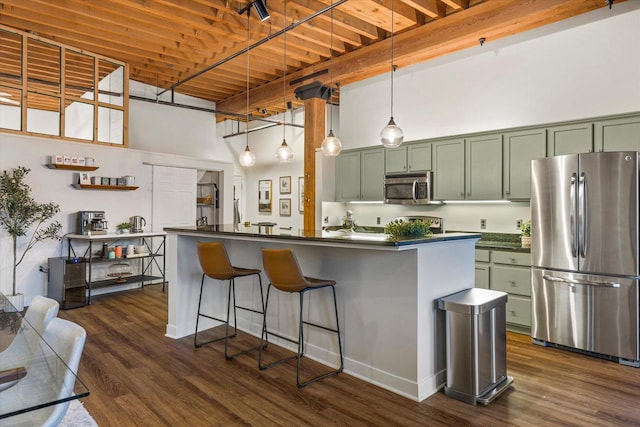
(525, 234)
(124, 227)
(21, 216)
(399, 229)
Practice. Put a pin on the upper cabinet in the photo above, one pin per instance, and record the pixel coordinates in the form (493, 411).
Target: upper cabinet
(448, 171)
(519, 149)
(570, 139)
(360, 175)
(618, 134)
(483, 160)
(409, 158)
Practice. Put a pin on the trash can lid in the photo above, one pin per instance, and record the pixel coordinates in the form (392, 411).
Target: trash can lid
(473, 301)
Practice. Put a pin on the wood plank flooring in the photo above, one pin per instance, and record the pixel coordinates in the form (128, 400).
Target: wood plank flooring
(139, 377)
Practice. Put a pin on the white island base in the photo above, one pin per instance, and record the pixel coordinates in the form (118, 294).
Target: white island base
(393, 334)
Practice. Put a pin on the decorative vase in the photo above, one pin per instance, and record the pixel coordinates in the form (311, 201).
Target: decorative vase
(526, 241)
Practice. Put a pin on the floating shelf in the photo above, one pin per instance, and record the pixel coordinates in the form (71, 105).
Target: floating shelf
(103, 187)
(72, 167)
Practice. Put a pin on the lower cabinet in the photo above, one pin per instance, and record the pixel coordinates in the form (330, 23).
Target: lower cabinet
(508, 272)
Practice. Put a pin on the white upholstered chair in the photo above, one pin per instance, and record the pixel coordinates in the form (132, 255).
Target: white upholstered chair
(43, 378)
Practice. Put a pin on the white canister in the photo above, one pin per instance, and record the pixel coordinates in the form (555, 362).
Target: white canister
(130, 250)
(88, 161)
(129, 180)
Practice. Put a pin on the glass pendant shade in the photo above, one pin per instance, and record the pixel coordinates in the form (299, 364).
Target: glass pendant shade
(331, 146)
(247, 158)
(284, 153)
(391, 135)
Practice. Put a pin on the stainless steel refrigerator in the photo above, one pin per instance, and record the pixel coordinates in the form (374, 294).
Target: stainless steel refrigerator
(584, 249)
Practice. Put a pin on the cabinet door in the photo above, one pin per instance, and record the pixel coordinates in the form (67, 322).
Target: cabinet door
(348, 177)
(396, 160)
(419, 157)
(482, 276)
(618, 134)
(570, 139)
(519, 149)
(484, 167)
(448, 157)
(372, 174)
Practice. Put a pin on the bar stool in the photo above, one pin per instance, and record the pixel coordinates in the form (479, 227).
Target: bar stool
(215, 264)
(283, 271)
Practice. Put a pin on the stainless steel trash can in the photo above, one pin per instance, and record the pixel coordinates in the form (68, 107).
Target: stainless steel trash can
(476, 345)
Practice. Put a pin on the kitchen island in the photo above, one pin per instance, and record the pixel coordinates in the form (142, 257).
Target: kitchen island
(392, 331)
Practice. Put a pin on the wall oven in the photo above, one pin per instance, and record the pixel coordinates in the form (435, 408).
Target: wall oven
(408, 189)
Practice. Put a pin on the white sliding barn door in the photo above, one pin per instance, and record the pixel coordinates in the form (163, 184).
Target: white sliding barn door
(174, 197)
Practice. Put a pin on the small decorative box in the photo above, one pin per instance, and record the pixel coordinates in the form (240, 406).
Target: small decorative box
(105, 180)
(57, 159)
(113, 181)
(80, 161)
(74, 161)
(67, 160)
(120, 182)
(96, 180)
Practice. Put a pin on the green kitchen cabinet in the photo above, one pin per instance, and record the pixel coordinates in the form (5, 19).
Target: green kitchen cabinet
(519, 149)
(360, 175)
(372, 174)
(482, 269)
(483, 164)
(618, 134)
(396, 160)
(448, 175)
(348, 176)
(419, 157)
(511, 273)
(570, 139)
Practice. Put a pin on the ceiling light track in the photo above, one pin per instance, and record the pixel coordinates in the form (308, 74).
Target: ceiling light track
(253, 46)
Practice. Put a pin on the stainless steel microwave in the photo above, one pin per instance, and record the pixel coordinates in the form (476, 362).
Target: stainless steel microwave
(408, 189)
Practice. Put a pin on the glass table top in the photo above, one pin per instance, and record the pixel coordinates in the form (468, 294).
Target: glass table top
(32, 374)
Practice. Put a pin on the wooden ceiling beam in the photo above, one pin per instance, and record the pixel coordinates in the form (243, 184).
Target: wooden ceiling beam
(493, 19)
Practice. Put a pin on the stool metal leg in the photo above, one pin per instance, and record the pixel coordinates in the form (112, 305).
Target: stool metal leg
(226, 337)
(235, 320)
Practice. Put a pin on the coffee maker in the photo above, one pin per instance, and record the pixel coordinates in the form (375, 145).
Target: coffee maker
(91, 222)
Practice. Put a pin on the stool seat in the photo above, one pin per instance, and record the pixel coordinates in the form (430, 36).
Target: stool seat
(283, 271)
(216, 265)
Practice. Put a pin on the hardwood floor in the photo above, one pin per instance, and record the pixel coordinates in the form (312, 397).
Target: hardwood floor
(137, 376)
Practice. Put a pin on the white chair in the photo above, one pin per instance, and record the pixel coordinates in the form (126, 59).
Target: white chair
(44, 379)
(38, 315)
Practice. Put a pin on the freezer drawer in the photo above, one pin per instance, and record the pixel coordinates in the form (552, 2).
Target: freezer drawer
(587, 312)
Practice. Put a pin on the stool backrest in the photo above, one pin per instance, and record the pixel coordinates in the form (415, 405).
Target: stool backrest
(214, 260)
(282, 269)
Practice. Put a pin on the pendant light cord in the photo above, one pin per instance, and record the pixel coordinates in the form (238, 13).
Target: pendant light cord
(393, 68)
(331, 73)
(246, 128)
(284, 76)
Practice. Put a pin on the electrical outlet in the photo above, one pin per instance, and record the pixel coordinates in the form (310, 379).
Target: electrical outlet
(326, 220)
(519, 224)
(483, 223)
(378, 220)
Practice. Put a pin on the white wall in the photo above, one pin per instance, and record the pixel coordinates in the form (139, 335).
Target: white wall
(197, 139)
(583, 67)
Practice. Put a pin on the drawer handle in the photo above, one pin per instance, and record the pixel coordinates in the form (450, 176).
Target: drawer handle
(513, 313)
(513, 260)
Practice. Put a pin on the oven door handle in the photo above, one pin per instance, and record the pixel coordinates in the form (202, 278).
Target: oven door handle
(573, 282)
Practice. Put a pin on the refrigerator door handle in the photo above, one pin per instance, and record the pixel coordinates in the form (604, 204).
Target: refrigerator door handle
(574, 184)
(574, 282)
(583, 219)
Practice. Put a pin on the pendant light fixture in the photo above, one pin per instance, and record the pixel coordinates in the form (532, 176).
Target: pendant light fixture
(391, 135)
(284, 153)
(331, 146)
(247, 157)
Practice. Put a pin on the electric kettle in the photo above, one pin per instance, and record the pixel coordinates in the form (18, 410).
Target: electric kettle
(137, 223)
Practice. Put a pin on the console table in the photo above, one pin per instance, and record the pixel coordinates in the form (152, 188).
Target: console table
(155, 256)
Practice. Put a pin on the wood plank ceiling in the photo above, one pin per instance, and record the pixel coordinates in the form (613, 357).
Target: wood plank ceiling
(195, 47)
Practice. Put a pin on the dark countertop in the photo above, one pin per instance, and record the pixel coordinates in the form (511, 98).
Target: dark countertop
(369, 239)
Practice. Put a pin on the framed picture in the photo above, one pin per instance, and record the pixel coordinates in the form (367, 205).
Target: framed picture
(285, 185)
(85, 178)
(264, 195)
(285, 207)
(301, 194)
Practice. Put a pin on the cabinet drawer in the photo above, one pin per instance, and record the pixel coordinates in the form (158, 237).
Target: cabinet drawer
(482, 255)
(519, 310)
(513, 258)
(512, 280)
